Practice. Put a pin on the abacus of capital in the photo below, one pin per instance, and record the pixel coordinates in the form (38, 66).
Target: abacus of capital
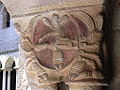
(61, 40)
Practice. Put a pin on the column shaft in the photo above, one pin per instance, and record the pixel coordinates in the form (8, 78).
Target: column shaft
(4, 80)
(8, 80)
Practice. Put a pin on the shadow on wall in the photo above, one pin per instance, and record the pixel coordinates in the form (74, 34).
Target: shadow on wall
(62, 86)
(113, 43)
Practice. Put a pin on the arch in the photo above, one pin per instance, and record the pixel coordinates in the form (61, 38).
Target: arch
(8, 73)
(4, 16)
(9, 63)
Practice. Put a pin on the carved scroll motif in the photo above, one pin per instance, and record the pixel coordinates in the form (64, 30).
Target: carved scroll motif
(65, 43)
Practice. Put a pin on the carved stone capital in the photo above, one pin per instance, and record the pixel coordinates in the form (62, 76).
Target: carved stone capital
(62, 43)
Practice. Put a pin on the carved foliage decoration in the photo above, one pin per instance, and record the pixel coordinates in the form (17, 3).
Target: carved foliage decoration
(67, 42)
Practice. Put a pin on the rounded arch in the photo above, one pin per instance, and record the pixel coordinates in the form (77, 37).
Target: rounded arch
(9, 63)
(5, 17)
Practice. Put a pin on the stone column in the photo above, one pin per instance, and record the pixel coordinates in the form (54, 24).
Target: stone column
(8, 79)
(115, 49)
(60, 41)
(3, 60)
(4, 85)
(16, 68)
(4, 80)
(16, 78)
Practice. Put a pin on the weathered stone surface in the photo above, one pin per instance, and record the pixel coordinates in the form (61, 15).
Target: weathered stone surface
(87, 88)
(59, 42)
(26, 6)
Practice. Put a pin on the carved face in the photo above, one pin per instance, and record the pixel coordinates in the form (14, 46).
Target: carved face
(57, 40)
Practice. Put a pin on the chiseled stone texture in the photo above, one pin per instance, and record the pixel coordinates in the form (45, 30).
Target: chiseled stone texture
(87, 88)
(39, 6)
(21, 75)
(22, 5)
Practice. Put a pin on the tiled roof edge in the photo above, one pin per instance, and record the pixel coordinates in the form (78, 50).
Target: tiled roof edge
(9, 51)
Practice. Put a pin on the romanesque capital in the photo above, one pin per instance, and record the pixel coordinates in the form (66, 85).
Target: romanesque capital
(61, 41)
